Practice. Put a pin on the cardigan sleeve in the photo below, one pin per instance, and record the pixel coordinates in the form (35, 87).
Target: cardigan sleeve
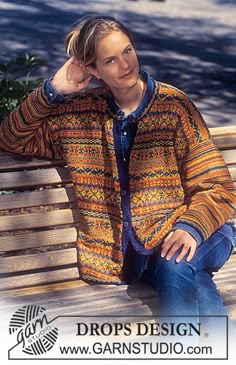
(26, 131)
(209, 190)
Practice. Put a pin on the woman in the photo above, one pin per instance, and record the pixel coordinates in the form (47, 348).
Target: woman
(154, 194)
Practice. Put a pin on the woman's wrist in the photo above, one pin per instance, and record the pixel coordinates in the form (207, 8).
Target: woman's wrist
(52, 94)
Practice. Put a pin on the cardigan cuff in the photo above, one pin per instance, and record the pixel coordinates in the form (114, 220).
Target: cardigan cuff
(51, 93)
(191, 230)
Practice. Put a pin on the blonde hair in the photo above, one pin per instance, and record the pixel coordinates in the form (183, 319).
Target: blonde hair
(82, 41)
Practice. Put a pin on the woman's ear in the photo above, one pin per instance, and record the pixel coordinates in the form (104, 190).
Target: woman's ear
(93, 71)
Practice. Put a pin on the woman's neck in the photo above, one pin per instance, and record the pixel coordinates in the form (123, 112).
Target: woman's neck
(128, 100)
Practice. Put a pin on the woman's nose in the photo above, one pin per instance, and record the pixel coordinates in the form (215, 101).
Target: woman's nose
(124, 63)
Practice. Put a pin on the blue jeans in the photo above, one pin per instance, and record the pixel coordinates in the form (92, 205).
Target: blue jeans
(187, 288)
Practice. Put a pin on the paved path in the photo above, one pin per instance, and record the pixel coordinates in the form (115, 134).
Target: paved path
(190, 44)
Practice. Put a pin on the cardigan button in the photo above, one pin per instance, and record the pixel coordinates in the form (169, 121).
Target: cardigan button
(123, 192)
(126, 224)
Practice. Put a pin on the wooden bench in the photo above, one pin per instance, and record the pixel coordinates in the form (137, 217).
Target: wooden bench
(38, 262)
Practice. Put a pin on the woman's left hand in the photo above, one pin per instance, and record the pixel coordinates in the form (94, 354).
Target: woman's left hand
(179, 240)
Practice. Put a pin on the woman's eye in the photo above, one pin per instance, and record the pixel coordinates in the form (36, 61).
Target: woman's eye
(128, 50)
(109, 61)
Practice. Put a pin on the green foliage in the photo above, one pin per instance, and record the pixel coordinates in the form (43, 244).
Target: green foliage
(16, 81)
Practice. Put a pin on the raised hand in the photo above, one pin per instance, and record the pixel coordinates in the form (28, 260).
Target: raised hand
(72, 77)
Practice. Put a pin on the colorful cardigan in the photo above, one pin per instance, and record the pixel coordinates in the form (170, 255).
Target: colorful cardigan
(176, 173)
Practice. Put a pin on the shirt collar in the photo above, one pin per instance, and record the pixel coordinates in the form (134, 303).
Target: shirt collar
(146, 99)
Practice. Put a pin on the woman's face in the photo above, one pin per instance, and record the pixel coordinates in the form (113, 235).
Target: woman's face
(117, 63)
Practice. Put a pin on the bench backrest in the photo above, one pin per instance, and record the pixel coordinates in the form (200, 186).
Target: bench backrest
(37, 221)
(38, 217)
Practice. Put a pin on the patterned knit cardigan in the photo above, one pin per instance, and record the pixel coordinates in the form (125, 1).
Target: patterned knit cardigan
(176, 173)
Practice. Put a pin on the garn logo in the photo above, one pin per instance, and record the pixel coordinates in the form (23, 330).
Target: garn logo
(33, 330)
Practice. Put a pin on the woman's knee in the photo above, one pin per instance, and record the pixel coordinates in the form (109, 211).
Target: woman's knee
(170, 270)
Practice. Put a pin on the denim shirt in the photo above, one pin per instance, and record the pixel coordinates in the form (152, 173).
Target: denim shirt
(124, 132)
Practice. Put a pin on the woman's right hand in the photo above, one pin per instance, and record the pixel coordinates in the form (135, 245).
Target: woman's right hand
(71, 78)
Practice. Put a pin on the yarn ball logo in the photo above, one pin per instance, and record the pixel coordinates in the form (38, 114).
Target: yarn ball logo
(34, 332)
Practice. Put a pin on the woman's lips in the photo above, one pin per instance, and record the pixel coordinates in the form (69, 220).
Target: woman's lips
(128, 74)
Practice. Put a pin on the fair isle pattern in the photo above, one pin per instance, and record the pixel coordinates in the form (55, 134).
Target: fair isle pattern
(176, 173)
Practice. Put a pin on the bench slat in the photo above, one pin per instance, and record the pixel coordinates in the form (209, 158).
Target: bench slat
(119, 302)
(232, 171)
(223, 131)
(38, 220)
(28, 281)
(40, 287)
(224, 143)
(229, 156)
(224, 137)
(14, 162)
(37, 198)
(38, 239)
(40, 177)
(41, 260)
(65, 290)
(112, 297)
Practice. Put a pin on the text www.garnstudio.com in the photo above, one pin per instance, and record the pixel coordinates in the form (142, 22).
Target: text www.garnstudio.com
(136, 348)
